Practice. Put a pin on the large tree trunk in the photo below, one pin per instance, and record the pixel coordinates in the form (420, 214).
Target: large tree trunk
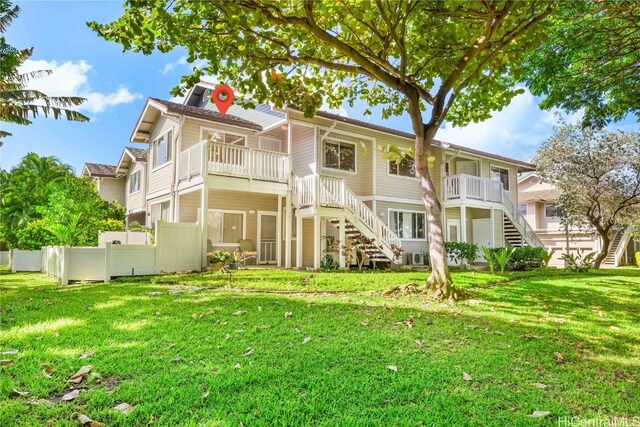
(440, 280)
(606, 242)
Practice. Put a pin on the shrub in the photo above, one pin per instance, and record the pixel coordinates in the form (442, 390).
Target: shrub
(638, 258)
(527, 258)
(577, 264)
(545, 258)
(220, 257)
(35, 235)
(461, 251)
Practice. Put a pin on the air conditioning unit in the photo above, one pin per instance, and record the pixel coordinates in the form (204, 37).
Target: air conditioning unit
(415, 258)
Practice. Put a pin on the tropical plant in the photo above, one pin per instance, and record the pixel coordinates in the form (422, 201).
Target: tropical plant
(457, 61)
(67, 234)
(220, 257)
(545, 258)
(490, 256)
(503, 256)
(460, 252)
(18, 104)
(577, 263)
(526, 258)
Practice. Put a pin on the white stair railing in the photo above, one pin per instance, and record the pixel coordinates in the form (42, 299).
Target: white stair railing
(334, 193)
(622, 245)
(519, 221)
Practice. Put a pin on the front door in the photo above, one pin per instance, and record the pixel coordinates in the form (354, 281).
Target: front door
(267, 237)
(482, 235)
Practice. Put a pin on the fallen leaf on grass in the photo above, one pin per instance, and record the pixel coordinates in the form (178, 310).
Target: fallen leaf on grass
(236, 366)
(288, 314)
(474, 301)
(71, 395)
(124, 408)
(559, 357)
(466, 377)
(393, 368)
(87, 354)
(530, 336)
(249, 351)
(20, 393)
(263, 327)
(419, 343)
(408, 323)
(48, 373)
(306, 340)
(365, 322)
(10, 351)
(539, 414)
(540, 385)
(81, 375)
(86, 421)
(6, 362)
(615, 328)
(238, 313)
(499, 333)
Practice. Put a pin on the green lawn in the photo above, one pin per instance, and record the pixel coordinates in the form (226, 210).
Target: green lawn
(229, 356)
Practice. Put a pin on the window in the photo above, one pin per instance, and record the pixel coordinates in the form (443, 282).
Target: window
(162, 150)
(407, 225)
(502, 175)
(340, 155)
(550, 210)
(522, 208)
(226, 227)
(406, 167)
(222, 137)
(134, 182)
(160, 212)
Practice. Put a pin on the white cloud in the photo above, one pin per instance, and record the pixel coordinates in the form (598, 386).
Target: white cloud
(181, 62)
(71, 78)
(516, 131)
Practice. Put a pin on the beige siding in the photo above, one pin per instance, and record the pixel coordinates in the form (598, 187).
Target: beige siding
(382, 211)
(302, 147)
(136, 201)
(160, 178)
(111, 189)
(307, 242)
(239, 201)
(360, 182)
(191, 133)
(189, 205)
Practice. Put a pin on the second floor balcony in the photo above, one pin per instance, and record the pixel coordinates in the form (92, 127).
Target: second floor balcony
(233, 160)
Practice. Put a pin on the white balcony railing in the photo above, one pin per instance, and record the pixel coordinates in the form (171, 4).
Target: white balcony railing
(233, 160)
(463, 187)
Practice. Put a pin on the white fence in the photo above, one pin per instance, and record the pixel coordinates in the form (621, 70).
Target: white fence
(124, 237)
(21, 260)
(4, 257)
(177, 249)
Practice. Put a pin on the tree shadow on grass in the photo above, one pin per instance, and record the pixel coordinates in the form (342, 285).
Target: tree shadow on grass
(254, 366)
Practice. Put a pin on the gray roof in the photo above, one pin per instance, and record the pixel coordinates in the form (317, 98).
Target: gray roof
(141, 154)
(207, 114)
(100, 170)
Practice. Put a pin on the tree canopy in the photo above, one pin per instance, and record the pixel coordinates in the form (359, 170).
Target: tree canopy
(18, 104)
(590, 60)
(598, 174)
(43, 203)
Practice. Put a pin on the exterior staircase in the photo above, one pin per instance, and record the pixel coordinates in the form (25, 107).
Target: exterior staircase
(511, 233)
(619, 242)
(313, 193)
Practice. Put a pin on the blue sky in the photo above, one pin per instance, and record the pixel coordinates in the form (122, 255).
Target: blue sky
(117, 85)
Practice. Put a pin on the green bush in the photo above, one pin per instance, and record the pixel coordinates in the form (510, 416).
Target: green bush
(35, 235)
(527, 258)
(220, 256)
(461, 251)
(638, 258)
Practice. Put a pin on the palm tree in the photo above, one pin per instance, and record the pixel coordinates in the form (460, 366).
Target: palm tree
(18, 104)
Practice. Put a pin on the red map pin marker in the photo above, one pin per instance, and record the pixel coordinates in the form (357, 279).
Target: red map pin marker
(223, 98)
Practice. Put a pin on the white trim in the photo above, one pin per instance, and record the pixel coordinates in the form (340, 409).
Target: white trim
(340, 142)
(390, 199)
(491, 166)
(424, 213)
(272, 127)
(152, 149)
(259, 234)
(158, 193)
